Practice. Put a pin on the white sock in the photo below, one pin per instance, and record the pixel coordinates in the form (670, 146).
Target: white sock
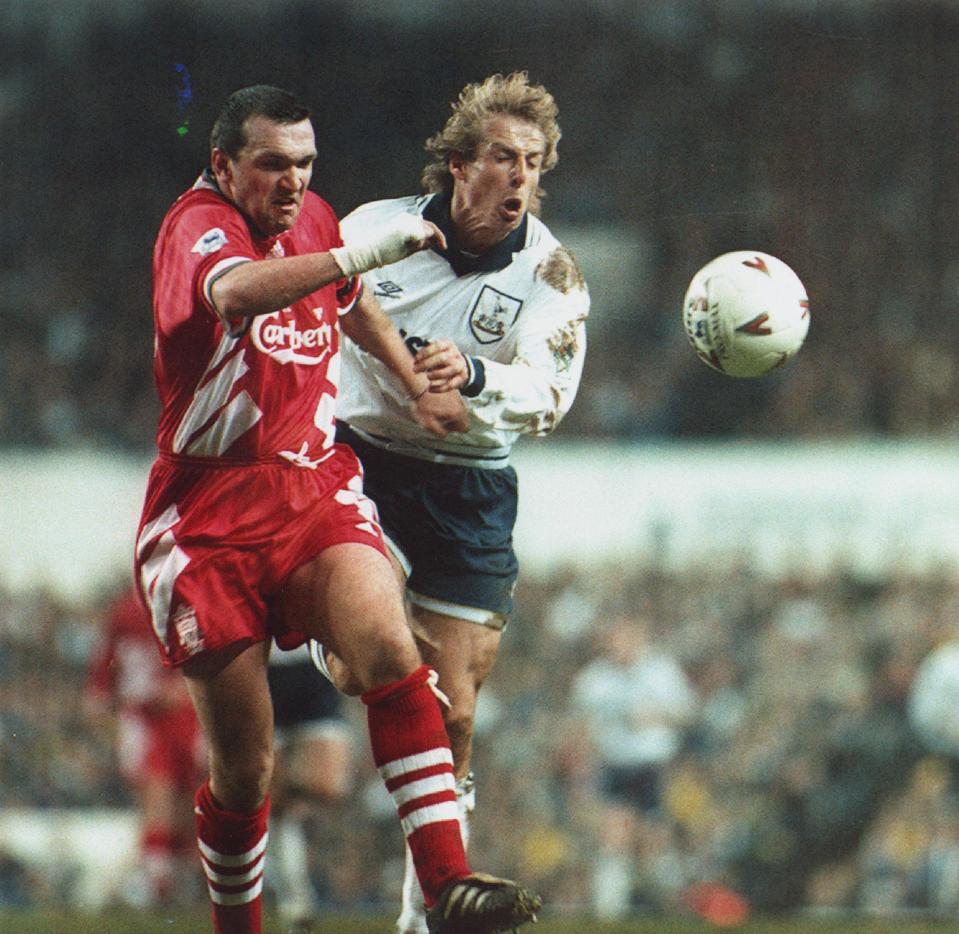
(412, 919)
(612, 886)
(292, 883)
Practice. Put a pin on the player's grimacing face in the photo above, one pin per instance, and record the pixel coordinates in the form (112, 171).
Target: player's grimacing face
(269, 177)
(492, 191)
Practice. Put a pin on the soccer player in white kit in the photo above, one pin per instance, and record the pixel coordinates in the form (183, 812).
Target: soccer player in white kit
(499, 314)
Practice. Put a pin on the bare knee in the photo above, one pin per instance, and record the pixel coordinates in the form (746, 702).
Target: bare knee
(375, 642)
(459, 724)
(387, 654)
(349, 599)
(240, 779)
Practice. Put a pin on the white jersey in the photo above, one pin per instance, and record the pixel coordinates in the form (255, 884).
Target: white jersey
(518, 313)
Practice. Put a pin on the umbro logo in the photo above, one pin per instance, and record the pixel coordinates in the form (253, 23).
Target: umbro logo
(387, 289)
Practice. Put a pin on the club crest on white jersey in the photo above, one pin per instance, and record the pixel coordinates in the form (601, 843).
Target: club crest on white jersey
(492, 315)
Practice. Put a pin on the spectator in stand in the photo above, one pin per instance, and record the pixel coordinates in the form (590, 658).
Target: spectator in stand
(934, 704)
(637, 702)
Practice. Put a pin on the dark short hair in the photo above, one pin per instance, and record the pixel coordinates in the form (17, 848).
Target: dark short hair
(258, 100)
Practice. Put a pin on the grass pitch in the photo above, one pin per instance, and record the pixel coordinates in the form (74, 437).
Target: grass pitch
(36, 922)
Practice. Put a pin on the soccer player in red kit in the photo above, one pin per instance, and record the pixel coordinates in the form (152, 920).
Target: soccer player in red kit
(255, 524)
(158, 743)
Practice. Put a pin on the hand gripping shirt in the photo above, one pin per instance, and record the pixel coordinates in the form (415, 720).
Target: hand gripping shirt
(518, 312)
(252, 390)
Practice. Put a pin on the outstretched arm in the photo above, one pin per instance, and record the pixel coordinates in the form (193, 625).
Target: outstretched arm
(262, 286)
(253, 288)
(367, 325)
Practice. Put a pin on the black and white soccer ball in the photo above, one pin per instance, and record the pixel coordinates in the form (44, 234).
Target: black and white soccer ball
(746, 313)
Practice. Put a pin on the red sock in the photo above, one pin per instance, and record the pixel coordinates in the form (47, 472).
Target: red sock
(156, 848)
(232, 847)
(412, 753)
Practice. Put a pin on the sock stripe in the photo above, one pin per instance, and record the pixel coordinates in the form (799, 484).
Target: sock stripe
(430, 814)
(234, 879)
(234, 859)
(407, 777)
(441, 755)
(425, 801)
(434, 785)
(236, 898)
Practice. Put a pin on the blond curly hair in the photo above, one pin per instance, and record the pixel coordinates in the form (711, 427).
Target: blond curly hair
(511, 95)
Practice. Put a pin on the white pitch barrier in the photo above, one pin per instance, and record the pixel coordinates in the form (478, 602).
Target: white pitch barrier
(68, 520)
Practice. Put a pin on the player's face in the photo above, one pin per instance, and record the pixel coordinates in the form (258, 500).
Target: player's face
(492, 191)
(268, 179)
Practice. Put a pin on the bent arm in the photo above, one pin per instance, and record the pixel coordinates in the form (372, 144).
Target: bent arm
(532, 391)
(259, 287)
(367, 325)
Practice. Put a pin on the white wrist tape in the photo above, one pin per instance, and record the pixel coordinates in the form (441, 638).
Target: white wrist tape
(389, 244)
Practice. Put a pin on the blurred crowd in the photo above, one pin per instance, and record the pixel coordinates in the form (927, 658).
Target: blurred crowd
(784, 768)
(818, 132)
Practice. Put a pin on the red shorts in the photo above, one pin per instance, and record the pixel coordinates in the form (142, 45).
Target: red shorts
(216, 544)
(166, 746)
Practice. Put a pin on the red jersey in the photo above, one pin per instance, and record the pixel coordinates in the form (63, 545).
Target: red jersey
(251, 390)
(125, 668)
(238, 499)
(158, 734)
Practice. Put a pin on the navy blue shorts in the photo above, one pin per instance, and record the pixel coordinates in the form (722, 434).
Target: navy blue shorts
(636, 785)
(301, 695)
(453, 524)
